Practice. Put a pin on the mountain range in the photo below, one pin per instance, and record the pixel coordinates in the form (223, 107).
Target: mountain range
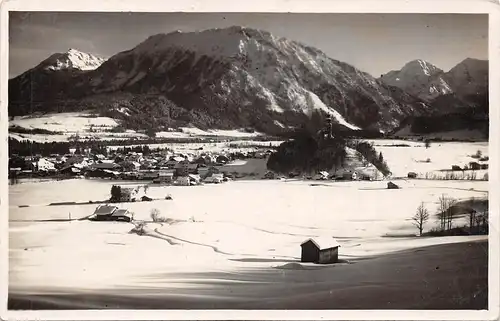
(241, 78)
(464, 85)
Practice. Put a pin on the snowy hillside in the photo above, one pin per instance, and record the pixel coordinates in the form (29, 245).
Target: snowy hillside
(223, 79)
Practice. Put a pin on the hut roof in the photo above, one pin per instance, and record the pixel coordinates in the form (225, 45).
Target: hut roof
(323, 242)
(104, 165)
(120, 212)
(195, 177)
(105, 210)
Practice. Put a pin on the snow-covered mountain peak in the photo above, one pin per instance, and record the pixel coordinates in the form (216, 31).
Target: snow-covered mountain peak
(426, 81)
(72, 59)
(420, 67)
(217, 42)
(419, 78)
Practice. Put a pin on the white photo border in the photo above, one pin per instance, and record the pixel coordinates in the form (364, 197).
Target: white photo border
(490, 7)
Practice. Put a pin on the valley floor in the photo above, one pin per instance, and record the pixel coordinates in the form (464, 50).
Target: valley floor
(237, 245)
(452, 276)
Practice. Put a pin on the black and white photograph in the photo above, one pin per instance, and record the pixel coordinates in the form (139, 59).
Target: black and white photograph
(248, 161)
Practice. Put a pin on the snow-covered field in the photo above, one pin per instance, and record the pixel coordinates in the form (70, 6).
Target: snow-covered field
(191, 131)
(218, 228)
(215, 147)
(441, 155)
(465, 134)
(67, 124)
(87, 126)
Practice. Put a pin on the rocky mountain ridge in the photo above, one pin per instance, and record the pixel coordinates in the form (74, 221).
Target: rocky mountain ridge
(218, 78)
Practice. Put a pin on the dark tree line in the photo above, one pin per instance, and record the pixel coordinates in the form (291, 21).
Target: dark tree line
(29, 148)
(306, 153)
(370, 154)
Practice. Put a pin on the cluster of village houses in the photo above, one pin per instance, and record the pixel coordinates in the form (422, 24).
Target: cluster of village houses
(161, 167)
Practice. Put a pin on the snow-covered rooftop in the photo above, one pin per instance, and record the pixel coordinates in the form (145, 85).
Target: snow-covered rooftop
(323, 242)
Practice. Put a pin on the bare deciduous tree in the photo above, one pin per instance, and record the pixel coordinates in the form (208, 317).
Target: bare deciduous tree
(482, 221)
(420, 218)
(472, 214)
(155, 214)
(443, 206)
(450, 213)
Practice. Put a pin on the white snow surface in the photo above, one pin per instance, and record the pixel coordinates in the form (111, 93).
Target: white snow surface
(67, 122)
(193, 131)
(84, 125)
(230, 227)
(441, 155)
(73, 59)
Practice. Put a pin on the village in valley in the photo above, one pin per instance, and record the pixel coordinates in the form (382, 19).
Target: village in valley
(162, 167)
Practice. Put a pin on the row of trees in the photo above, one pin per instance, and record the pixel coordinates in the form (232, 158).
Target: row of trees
(367, 151)
(449, 210)
(28, 148)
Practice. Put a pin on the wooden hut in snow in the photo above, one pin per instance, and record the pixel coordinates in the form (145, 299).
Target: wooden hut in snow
(320, 250)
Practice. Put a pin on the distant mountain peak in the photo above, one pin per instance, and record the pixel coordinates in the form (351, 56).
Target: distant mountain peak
(472, 63)
(216, 42)
(71, 59)
(420, 66)
(469, 78)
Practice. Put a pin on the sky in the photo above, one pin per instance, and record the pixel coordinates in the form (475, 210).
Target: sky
(374, 43)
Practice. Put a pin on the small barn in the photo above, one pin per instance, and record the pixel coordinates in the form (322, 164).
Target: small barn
(70, 170)
(391, 185)
(474, 166)
(320, 251)
(412, 175)
(110, 213)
